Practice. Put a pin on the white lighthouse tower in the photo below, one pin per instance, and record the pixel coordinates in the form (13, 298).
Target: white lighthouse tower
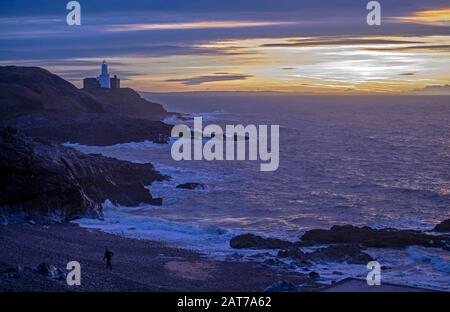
(103, 79)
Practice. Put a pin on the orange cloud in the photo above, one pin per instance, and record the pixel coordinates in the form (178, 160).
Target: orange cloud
(439, 17)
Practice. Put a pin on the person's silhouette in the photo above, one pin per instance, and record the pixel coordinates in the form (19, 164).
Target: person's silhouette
(108, 256)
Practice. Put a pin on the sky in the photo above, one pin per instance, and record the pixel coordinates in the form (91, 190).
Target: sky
(305, 46)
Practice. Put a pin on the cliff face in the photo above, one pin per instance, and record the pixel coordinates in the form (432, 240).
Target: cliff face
(127, 102)
(44, 180)
(90, 129)
(44, 105)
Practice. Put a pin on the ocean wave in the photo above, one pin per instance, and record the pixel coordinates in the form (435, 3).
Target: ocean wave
(438, 262)
(213, 113)
(333, 195)
(178, 175)
(129, 145)
(210, 116)
(174, 119)
(214, 241)
(124, 221)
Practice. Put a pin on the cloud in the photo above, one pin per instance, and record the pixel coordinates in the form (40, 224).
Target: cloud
(23, 7)
(436, 47)
(195, 25)
(77, 74)
(65, 63)
(435, 89)
(176, 39)
(424, 46)
(108, 50)
(436, 17)
(325, 41)
(209, 78)
(40, 20)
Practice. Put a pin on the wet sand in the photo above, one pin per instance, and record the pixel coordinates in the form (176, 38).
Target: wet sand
(138, 265)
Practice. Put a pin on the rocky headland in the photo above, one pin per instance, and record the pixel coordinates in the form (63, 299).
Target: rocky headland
(41, 104)
(44, 180)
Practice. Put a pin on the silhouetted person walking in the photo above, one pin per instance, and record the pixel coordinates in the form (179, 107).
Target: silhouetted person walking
(108, 256)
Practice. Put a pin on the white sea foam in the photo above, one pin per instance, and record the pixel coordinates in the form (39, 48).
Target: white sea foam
(209, 116)
(174, 120)
(126, 221)
(129, 145)
(435, 257)
(339, 166)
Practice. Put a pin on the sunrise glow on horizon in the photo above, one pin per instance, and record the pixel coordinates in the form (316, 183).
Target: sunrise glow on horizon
(245, 53)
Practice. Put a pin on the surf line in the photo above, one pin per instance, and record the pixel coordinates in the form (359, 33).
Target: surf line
(227, 145)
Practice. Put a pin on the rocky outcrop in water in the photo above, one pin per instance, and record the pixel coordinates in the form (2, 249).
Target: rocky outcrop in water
(347, 238)
(251, 241)
(336, 253)
(444, 226)
(378, 238)
(346, 244)
(40, 179)
(191, 186)
(341, 253)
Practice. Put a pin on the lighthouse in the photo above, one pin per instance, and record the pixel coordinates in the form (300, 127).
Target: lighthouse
(103, 79)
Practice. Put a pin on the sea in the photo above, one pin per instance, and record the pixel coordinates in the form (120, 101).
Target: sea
(380, 161)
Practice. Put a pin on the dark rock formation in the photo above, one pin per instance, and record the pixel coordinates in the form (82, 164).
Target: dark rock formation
(34, 88)
(444, 226)
(339, 253)
(156, 201)
(251, 241)
(192, 186)
(127, 102)
(39, 178)
(380, 238)
(293, 253)
(90, 129)
(272, 261)
(44, 105)
(282, 286)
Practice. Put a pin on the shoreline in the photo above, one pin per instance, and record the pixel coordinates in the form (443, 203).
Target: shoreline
(138, 265)
(52, 182)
